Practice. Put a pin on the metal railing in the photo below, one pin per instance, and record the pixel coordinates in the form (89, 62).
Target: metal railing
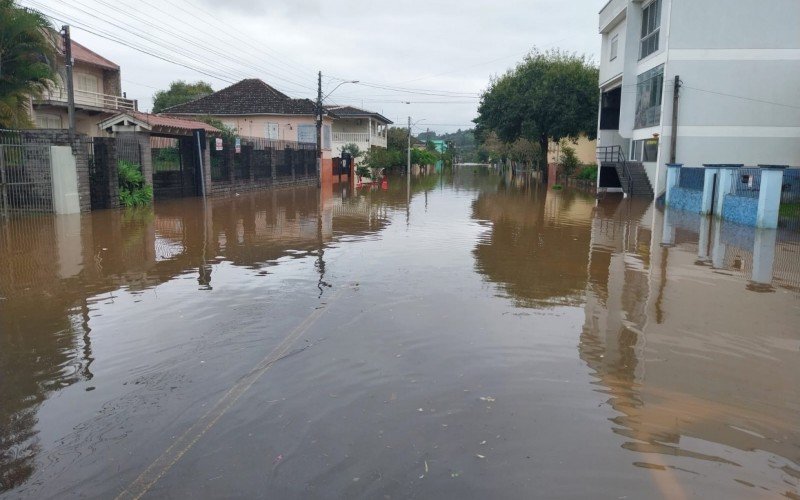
(262, 159)
(692, 178)
(92, 99)
(25, 174)
(614, 154)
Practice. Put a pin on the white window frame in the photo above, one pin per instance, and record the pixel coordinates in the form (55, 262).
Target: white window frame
(45, 120)
(613, 47)
(274, 127)
(648, 32)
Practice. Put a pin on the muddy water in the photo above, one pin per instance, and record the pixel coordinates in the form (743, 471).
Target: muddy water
(487, 339)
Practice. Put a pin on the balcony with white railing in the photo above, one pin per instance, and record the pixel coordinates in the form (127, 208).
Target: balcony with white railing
(92, 100)
(364, 140)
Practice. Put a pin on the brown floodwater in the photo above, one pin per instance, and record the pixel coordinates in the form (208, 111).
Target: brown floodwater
(478, 337)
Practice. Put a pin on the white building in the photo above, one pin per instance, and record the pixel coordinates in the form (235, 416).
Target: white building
(357, 126)
(738, 62)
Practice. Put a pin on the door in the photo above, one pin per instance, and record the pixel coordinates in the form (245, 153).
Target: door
(272, 131)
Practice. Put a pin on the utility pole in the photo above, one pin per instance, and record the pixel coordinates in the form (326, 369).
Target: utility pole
(67, 41)
(319, 130)
(673, 144)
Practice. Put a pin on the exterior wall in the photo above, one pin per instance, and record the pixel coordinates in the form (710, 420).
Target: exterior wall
(256, 126)
(368, 132)
(85, 122)
(585, 149)
(749, 52)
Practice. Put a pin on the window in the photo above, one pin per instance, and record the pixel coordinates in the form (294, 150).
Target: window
(651, 22)
(307, 133)
(86, 83)
(614, 48)
(649, 87)
(48, 121)
(645, 150)
(326, 137)
(272, 131)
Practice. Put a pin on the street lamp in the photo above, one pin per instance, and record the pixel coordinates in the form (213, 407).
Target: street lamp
(320, 100)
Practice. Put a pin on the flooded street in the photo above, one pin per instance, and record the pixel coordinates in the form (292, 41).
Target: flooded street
(487, 339)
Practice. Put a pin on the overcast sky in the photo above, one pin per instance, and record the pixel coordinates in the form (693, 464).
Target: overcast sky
(446, 51)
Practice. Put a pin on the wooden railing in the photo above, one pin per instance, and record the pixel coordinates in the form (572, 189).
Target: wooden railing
(92, 99)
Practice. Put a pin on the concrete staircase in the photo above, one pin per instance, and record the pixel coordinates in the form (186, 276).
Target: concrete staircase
(635, 182)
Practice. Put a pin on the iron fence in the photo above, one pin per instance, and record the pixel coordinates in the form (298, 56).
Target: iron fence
(747, 182)
(692, 178)
(25, 174)
(258, 158)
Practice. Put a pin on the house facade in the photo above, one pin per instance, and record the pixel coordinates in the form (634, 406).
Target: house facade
(98, 94)
(255, 109)
(357, 126)
(738, 67)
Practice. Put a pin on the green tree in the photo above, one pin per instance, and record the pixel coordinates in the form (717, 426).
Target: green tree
(180, 92)
(27, 61)
(569, 160)
(397, 138)
(353, 149)
(549, 95)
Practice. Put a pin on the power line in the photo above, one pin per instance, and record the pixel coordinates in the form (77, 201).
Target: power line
(753, 99)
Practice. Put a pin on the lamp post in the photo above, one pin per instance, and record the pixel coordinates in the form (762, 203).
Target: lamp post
(320, 100)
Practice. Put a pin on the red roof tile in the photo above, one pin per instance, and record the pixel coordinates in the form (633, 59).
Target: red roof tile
(84, 55)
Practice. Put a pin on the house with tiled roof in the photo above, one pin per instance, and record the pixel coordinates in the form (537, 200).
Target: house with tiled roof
(365, 129)
(253, 108)
(98, 93)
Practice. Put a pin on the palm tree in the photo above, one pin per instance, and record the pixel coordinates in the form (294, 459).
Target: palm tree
(27, 61)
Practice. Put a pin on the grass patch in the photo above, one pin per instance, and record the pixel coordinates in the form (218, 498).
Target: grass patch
(557, 187)
(790, 210)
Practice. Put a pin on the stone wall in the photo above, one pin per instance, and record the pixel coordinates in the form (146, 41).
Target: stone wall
(740, 209)
(686, 199)
(61, 137)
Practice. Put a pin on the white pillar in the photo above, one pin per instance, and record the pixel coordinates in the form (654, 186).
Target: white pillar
(764, 255)
(708, 190)
(724, 186)
(717, 248)
(769, 196)
(702, 244)
(673, 172)
(668, 231)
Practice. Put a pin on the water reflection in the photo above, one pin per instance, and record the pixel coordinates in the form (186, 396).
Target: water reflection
(56, 267)
(700, 370)
(537, 246)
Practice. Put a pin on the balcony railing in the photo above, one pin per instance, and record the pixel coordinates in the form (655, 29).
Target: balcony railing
(359, 138)
(84, 98)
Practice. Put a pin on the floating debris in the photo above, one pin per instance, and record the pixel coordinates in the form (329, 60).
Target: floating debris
(479, 455)
(488, 399)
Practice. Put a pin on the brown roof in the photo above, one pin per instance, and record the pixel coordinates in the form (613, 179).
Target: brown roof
(171, 121)
(247, 97)
(354, 112)
(84, 55)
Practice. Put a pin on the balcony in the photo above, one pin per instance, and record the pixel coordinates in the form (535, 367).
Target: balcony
(362, 139)
(90, 100)
(611, 14)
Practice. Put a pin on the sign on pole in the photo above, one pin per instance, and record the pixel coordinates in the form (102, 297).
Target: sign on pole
(219, 143)
(238, 145)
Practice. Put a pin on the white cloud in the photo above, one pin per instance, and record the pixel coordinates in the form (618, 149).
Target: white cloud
(443, 46)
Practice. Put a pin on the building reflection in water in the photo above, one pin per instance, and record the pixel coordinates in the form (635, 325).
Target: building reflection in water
(55, 268)
(537, 247)
(700, 369)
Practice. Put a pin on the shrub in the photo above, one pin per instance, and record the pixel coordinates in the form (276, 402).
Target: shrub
(569, 160)
(588, 172)
(132, 189)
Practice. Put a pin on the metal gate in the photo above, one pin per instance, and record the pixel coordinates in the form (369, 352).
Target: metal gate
(25, 176)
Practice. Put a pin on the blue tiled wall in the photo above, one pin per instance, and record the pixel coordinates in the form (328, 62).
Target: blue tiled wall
(740, 209)
(686, 199)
